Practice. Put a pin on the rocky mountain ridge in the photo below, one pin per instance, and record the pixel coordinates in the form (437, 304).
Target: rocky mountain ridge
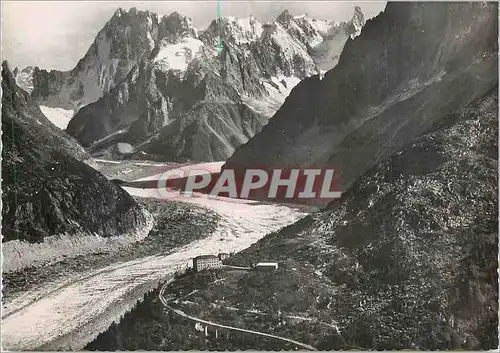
(144, 72)
(117, 48)
(407, 260)
(409, 254)
(47, 189)
(410, 66)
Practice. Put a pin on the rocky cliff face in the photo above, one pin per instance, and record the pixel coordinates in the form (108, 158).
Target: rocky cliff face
(46, 188)
(409, 255)
(144, 72)
(409, 67)
(118, 47)
(24, 78)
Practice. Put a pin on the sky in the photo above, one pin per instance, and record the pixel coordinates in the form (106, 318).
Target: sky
(56, 34)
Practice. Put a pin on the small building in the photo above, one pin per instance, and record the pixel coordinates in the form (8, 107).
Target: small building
(203, 262)
(223, 256)
(266, 266)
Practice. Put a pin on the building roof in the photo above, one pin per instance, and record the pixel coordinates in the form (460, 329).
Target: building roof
(205, 257)
(223, 253)
(267, 264)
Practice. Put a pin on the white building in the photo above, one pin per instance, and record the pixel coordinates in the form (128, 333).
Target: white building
(266, 266)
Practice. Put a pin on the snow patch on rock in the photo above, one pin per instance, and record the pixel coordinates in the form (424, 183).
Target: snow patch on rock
(125, 148)
(178, 56)
(243, 30)
(24, 78)
(280, 86)
(277, 89)
(58, 116)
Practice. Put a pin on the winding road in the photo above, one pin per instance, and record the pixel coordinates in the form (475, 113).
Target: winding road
(183, 314)
(68, 314)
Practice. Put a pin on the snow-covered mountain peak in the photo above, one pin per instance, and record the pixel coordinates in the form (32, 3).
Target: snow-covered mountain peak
(241, 30)
(118, 47)
(177, 19)
(322, 26)
(139, 57)
(234, 30)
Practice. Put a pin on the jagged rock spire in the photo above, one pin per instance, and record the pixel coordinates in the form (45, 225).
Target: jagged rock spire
(284, 18)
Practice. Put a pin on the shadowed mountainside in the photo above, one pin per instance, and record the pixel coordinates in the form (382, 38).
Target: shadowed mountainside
(410, 252)
(406, 260)
(46, 190)
(410, 66)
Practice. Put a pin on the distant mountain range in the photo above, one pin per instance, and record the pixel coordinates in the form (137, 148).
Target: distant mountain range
(157, 87)
(411, 66)
(408, 117)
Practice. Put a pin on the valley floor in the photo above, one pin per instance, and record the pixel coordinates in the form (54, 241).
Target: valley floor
(68, 311)
(175, 224)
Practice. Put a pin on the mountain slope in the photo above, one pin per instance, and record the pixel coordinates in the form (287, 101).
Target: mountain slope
(155, 107)
(326, 54)
(46, 189)
(410, 66)
(116, 49)
(258, 66)
(408, 257)
(209, 131)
